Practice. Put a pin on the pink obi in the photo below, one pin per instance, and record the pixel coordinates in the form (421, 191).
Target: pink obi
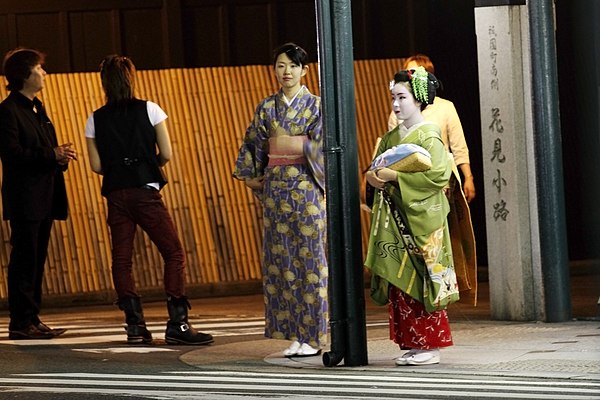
(287, 150)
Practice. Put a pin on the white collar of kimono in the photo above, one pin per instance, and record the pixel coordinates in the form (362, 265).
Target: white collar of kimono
(290, 101)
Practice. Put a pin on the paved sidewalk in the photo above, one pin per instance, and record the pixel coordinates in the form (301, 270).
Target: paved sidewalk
(569, 350)
(566, 350)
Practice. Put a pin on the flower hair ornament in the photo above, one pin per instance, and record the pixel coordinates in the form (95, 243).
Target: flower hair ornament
(419, 80)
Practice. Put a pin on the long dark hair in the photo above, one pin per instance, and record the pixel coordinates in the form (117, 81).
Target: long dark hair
(118, 79)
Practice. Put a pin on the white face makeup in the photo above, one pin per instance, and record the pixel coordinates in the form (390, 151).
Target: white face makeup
(404, 104)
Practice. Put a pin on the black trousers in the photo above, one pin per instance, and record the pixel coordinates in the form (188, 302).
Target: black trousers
(29, 241)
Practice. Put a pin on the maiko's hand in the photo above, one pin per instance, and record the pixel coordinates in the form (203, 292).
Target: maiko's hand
(255, 183)
(387, 175)
(374, 180)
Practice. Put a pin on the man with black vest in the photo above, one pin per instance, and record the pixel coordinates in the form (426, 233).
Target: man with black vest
(122, 139)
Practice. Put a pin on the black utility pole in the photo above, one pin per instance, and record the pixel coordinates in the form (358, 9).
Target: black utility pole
(548, 154)
(346, 283)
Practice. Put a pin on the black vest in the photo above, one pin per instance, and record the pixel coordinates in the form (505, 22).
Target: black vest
(126, 142)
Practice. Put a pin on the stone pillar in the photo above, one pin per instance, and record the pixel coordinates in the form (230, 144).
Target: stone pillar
(516, 289)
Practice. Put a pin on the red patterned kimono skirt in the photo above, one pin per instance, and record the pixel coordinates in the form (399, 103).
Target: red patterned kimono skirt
(411, 327)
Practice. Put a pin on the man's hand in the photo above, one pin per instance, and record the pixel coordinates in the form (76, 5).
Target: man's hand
(65, 153)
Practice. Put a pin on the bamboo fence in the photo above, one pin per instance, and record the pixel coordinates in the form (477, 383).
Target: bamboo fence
(217, 218)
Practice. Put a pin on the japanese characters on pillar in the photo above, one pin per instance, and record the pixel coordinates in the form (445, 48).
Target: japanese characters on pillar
(496, 129)
(508, 157)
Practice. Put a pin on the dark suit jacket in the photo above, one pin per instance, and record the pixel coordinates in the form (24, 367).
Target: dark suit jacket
(33, 186)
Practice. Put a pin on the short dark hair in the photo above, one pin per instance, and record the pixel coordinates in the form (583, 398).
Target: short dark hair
(296, 53)
(18, 64)
(118, 78)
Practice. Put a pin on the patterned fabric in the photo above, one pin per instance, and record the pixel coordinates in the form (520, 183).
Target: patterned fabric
(272, 116)
(411, 327)
(409, 243)
(294, 264)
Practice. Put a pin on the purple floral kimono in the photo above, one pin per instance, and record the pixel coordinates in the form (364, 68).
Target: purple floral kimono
(294, 261)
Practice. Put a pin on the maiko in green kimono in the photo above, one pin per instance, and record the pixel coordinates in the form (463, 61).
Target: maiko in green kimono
(410, 251)
(419, 260)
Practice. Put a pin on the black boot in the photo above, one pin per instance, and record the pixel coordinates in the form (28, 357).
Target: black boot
(178, 329)
(134, 317)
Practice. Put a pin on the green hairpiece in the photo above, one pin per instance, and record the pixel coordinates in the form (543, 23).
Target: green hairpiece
(419, 80)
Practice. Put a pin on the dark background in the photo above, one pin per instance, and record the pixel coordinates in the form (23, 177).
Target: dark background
(76, 35)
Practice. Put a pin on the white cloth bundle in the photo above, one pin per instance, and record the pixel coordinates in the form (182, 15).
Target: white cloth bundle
(403, 157)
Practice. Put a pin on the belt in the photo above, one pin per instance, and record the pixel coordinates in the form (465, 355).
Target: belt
(130, 161)
(286, 161)
(148, 187)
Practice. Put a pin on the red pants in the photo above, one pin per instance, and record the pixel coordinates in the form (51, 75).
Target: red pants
(128, 208)
(411, 327)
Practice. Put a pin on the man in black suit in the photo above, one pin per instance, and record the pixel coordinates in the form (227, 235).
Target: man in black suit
(33, 189)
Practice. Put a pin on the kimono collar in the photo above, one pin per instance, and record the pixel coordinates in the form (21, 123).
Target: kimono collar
(404, 131)
(290, 101)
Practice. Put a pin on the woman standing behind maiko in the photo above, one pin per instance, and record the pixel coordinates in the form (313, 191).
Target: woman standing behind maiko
(281, 160)
(444, 114)
(409, 253)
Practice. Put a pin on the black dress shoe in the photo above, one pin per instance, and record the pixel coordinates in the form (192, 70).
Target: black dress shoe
(42, 327)
(29, 333)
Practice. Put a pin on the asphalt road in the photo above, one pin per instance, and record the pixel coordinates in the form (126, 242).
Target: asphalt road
(91, 361)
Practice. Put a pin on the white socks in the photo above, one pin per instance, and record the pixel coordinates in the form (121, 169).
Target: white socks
(292, 350)
(300, 350)
(419, 357)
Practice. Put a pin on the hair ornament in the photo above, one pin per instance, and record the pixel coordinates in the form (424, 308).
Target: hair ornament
(419, 80)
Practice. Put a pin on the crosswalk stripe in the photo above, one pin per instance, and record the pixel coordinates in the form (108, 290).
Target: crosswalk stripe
(88, 332)
(393, 378)
(84, 334)
(92, 327)
(355, 380)
(322, 384)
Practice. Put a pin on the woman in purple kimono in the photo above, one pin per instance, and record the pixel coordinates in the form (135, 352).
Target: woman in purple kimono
(281, 160)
